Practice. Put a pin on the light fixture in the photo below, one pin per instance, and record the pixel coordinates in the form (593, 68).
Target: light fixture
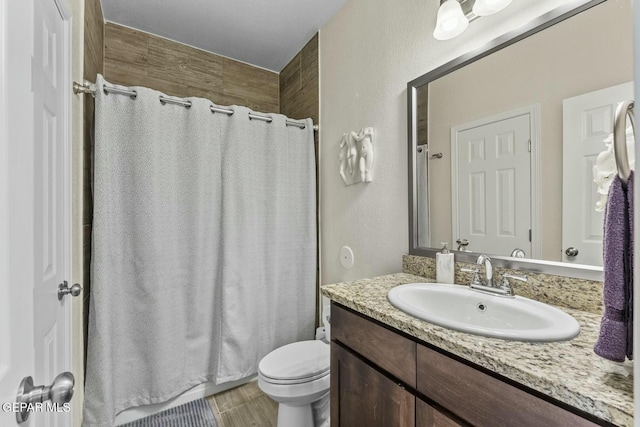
(454, 15)
(451, 21)
(488, 7)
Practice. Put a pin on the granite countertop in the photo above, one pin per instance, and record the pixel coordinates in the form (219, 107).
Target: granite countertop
(567, 371)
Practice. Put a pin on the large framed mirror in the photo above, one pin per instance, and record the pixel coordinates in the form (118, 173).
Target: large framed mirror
(503, 140)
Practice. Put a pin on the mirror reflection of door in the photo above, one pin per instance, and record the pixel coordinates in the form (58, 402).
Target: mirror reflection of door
(560, 62)
(491, 176)
(587, 120)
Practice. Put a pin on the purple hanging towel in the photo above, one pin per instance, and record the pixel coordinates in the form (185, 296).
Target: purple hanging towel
(616, 330)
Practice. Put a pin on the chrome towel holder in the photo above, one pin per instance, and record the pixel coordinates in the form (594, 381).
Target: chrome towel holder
(620, 153)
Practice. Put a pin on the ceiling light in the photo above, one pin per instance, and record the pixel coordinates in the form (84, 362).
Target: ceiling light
(488, 7)
(454, 15)
(451, 21)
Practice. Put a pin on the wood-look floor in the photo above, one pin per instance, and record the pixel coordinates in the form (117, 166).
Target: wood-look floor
(244, 406)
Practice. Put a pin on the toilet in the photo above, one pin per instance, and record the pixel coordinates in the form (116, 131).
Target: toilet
(297, 377)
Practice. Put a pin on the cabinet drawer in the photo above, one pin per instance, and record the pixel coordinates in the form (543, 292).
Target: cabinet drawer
(483, 400)
(386, 349)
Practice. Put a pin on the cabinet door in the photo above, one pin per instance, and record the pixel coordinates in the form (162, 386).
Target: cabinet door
(428, 416)
(382, 347)
(361, 396)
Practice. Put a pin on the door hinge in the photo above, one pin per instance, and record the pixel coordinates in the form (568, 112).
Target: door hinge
(529, 145)
(529, 234)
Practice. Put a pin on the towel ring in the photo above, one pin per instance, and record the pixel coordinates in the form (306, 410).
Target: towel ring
(620, 138)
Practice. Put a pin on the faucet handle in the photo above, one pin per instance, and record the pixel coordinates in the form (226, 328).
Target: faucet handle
(506, 286)
(475, 271)
(506, 277)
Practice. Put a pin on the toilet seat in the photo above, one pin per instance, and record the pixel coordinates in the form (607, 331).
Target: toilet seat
(296, 363)
(295, 381)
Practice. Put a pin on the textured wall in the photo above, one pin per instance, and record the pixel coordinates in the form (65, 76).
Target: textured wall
(368, 53)
(135, 58)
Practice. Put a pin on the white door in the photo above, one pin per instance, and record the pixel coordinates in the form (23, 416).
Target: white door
(492, 185)
(34, 202)
(586, 120)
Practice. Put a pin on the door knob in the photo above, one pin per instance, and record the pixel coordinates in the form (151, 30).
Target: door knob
(59, 392)
(518, 253)
(571, 251)
(64, 289)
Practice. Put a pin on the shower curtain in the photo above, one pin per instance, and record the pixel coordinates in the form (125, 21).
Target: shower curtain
(203, 247)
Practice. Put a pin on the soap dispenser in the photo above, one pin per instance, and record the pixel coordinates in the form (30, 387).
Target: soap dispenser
(445, 265)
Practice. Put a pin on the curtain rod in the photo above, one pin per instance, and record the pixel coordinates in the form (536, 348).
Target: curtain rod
(89, 88)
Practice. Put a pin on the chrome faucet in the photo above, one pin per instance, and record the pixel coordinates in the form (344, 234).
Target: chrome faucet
(483, 259)
(488, 285)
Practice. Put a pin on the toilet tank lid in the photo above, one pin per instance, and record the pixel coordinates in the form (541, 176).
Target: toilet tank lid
(298, 360)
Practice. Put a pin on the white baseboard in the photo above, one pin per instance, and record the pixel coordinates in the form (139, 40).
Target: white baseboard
(197, 392)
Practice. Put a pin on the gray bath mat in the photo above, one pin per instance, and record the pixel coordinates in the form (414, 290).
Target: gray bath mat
(196, 413)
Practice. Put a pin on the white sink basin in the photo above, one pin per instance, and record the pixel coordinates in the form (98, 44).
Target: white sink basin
(462, 309)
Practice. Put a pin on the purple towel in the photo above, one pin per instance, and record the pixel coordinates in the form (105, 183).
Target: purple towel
(616, 330)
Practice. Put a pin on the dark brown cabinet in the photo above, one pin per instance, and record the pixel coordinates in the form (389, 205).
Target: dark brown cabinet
(483, 400)
(382, 347)
(365, 397)
(380, 377)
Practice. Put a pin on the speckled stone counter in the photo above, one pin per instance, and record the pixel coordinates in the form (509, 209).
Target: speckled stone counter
(567, 371)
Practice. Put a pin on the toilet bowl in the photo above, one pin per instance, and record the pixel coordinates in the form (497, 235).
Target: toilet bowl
(297, 377)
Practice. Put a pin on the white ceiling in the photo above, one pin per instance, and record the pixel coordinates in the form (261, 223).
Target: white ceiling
(266, 33)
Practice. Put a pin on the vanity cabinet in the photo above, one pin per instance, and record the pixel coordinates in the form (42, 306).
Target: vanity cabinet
(381, 378)
(482, 399)
(365, 397)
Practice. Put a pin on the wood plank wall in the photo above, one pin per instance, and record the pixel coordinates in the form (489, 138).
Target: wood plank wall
(299, 85)
(299, 99)
(136, 58)
(93, 64)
